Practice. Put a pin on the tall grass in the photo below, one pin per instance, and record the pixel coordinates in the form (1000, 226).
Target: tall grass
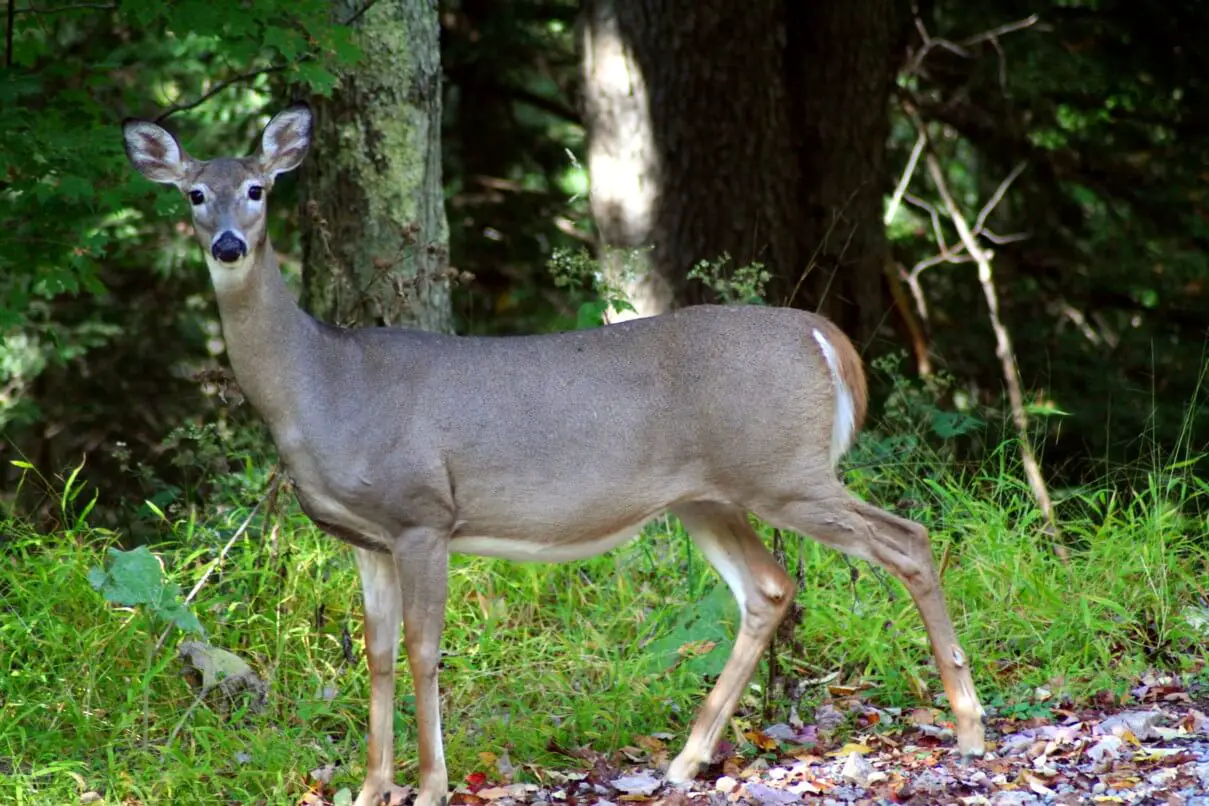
(582, 653)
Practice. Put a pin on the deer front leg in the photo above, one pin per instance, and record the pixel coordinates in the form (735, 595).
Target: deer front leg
(383, 612)
(422, 565)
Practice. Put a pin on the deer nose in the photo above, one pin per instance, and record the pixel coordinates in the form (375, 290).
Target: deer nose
(228, 248)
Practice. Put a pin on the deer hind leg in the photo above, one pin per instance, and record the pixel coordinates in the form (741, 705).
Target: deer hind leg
(763, 592)
(837, 519)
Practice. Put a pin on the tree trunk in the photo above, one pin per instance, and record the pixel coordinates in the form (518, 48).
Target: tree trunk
(839, 66)
(375, 238)
(755, 129)
(688, 139)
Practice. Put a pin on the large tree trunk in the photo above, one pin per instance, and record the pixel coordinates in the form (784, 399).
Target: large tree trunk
(688, 138)
(839, 66)
(375, 238)
(755, 129)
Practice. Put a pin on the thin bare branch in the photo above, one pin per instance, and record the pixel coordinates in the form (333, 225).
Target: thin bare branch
(905, 180)
(958, 255)
(222, 85)
(1080, 321)
(274, 480)
(356, 15)
(928, 42)
(997, 197)
(1007, 28)
(1003, 342)
(1000, 240)
(819, 247)
(937, 230)
(911, 278)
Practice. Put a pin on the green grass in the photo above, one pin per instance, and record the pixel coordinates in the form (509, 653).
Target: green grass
(575, 654)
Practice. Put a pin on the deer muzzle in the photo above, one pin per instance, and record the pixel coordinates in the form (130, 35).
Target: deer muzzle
(228, 248)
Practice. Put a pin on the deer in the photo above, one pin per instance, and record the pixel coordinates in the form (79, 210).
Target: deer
(411, 446)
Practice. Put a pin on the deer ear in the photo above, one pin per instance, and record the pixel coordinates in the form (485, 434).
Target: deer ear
(155, 153)
(286, 140)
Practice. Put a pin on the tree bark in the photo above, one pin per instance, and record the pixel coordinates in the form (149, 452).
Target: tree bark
(755, 129)
(688, 138)
(840, 64)
(375, 237)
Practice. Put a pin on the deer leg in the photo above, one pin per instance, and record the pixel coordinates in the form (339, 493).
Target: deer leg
(763, 592)
(383, 612)
(422, 565)
(837, 519)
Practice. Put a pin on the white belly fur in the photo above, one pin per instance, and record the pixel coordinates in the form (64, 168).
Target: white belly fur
(527, 551)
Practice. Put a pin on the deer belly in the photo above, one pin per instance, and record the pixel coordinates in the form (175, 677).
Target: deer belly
(553, 550)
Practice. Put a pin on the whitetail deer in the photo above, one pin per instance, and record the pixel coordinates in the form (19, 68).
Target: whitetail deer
(412, 445)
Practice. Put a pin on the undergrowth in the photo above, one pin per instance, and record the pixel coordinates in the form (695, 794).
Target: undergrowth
(593, 653)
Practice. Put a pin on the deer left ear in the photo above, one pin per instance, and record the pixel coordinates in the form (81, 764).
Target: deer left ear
(285, 141)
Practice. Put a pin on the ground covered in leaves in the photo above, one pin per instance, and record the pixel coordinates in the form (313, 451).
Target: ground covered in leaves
(1153, 750)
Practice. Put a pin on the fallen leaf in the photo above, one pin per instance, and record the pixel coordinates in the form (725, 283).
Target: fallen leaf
(850, 748)
(494, 792)
(638, 784)
(857, 769)
(761, 740)
(754, 769)
(1139, 724)
(223, 670)
(476, 781)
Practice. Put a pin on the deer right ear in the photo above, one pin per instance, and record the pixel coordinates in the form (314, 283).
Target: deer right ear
(154, 152)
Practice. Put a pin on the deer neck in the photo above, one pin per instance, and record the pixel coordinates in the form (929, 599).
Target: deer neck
(269, 339)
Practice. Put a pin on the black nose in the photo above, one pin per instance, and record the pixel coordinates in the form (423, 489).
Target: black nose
(229, 248)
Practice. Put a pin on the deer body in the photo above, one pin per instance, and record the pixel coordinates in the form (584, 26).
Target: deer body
(413, 445)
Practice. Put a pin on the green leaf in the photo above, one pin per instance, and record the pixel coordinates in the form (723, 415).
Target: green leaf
(950, 424)
(285, 41)
(181, 616)
(591, 314)
(1045, 410)
(319, 78)
(97, 577)
(688, 642)
(133, 577)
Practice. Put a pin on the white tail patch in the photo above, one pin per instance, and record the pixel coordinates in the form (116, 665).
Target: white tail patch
(843, 428)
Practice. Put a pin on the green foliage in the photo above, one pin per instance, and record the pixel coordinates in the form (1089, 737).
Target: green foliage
(512, 151)
(136, 578)
(99, 284)
(1104, 280)
(744, 285)
(580, 275)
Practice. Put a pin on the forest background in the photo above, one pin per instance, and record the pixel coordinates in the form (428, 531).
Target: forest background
(1002, 203)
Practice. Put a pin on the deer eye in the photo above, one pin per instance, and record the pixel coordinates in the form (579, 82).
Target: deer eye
(255, 192)
(197, 197)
